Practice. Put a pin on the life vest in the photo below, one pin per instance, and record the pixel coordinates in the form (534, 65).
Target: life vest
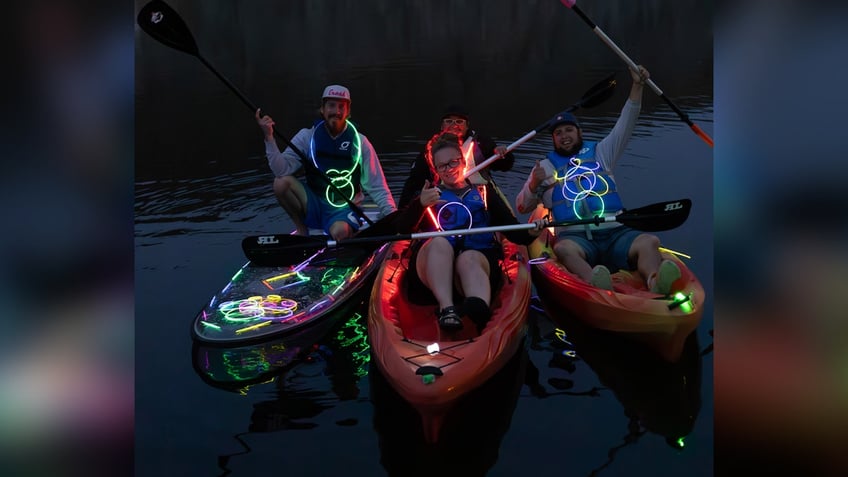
(461, 212)
(583, 189)
(340, 159)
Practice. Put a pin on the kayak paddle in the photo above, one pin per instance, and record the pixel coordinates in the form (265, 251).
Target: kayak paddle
(596, 95)
(572, 4)
(286, 249)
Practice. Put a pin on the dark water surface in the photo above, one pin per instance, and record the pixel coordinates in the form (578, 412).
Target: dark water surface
(311, 406)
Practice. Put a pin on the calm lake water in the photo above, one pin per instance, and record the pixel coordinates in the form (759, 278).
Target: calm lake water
(314, 406)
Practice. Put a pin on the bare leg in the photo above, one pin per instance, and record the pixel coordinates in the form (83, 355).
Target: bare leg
(292, 198)
(645, 252)
(574, 258)
(340, 230)
(473, 270)
(435, 268)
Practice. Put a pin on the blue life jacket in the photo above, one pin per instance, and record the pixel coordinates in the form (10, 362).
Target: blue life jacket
(583, 188)
(452, 212)
(339, 159)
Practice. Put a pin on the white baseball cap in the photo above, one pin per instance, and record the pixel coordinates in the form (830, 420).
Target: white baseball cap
(335, 91)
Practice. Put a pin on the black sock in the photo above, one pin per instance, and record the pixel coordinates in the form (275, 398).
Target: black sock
(477, 310)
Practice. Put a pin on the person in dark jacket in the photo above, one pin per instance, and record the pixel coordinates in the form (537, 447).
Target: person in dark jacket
(476, 146)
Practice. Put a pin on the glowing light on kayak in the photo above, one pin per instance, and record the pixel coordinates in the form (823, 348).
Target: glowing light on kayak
(333, 279)
(538, 260)
(679, 254)
(272, 284)
(433, 348)
(253, 327)
(683, 301)
(306, 262)
(256, 307)
(560, 334)
(318, 305)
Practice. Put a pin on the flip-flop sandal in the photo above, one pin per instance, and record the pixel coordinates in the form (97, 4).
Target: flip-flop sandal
(449, 319)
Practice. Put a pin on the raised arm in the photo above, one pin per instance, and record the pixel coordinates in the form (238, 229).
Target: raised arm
(281, 163)
(610, 149)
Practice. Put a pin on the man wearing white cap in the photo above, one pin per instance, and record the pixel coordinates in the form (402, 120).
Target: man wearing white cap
(575, 181)
(346, 157)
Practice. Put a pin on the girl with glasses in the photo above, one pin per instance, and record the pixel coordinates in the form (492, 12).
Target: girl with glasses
(444, 269)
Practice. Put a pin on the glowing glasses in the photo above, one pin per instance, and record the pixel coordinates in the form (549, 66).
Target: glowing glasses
(452, 164)
(451, 121)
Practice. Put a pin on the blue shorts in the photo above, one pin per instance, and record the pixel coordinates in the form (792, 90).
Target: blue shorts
(608, 247)
(320, 214)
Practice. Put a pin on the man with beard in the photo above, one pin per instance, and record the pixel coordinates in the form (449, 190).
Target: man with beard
(335, 148)
(575, 181)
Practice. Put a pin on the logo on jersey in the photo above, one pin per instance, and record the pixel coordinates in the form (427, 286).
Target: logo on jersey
(344, 146)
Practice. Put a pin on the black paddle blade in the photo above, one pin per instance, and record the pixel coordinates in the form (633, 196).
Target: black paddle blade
(599, 93)
(596, 95)
(165, 25)
(388, 225)
(277, 250)
(657, 217)
(351, 256)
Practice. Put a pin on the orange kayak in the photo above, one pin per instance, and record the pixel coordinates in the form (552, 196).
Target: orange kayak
(431, 368)
(661, 322)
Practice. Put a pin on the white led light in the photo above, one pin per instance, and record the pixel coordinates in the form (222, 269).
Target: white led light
(433, 348)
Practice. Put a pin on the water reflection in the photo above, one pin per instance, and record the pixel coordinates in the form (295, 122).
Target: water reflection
(470, 437)
(656, 396)
(294, 372)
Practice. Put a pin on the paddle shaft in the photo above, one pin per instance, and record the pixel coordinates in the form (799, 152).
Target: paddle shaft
(285, 249)
(476, 230)
(633, 66)
(509, 148)
(604, 87)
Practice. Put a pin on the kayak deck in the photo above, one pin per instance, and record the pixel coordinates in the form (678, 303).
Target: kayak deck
(661, 322)
(431, 368)
(260, 301)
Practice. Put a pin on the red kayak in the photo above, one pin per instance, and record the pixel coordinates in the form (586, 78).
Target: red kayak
(661, 322)
(431, 368)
